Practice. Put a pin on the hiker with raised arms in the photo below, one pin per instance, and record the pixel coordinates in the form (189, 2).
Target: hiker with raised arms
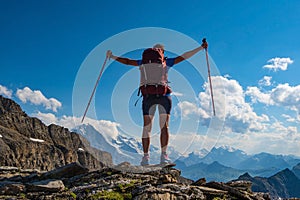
(156, 92)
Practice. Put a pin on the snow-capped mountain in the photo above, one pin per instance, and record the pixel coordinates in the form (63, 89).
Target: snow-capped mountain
(266, 160)
(238, 159)
(99, 141)
(225, 155)
(226, 163)
(123, 148)
(194, 157)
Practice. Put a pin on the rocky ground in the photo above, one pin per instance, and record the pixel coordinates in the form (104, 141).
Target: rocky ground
(73, 181)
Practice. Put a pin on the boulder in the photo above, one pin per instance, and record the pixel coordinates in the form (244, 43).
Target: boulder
(45, 186)
(66, 171)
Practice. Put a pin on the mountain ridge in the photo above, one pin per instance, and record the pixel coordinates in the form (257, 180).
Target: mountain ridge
(284, 184)
(26, 142)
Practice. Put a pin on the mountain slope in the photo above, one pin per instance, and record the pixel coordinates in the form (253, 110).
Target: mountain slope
(26, 142)
(284, 184)
(99, 141)
(212, 172)
(296, 170)
(122, 147)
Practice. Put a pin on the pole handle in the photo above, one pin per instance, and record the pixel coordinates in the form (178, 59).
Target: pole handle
(204, 42)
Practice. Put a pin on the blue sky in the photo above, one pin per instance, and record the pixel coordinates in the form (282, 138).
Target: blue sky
(254, 45)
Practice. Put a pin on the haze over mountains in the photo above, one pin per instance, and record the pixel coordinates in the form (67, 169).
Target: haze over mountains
(232, 162)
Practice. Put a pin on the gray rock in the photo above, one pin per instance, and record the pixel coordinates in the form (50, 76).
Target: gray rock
(5, 169)
(11, 188)
(66, 171)
(241, 185)
(45, 186)
(200, 182)
(232, 191)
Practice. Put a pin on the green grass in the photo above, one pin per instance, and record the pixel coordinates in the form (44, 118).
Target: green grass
(23, 196)
(73, 195)
(110, 195)
(125, 186)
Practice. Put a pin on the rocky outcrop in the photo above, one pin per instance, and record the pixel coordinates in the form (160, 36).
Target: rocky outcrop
(27, 143)
(114, 183)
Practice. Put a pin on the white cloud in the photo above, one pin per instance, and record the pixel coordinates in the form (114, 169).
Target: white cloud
(282, 95)
(188, 109)
(37, 98)
(177, 94)
(47, 118)
(279, 127)
(289, 118)
(287, 96)
(227, 76)
(277, 64)
(251, 143)
(5, 91)
(265, 81)
(256, 142)
(108, 128)
(185, 143)
(231, 106)
(257, 96)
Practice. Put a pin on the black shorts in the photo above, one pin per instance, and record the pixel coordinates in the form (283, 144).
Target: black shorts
(150, 102)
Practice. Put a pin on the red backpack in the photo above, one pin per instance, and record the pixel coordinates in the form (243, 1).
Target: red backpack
(154, 73)
(153, 55)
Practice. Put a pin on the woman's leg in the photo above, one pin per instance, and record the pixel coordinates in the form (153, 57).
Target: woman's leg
(164, 127)
(147, 132)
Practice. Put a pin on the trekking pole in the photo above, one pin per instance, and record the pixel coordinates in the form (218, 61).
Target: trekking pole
(209, 77)
(100, 74)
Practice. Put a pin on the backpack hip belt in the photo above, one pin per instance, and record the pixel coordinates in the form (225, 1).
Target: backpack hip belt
(154, 90)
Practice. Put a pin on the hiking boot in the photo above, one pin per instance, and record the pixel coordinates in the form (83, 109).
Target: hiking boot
(164, 159)
(145, 160)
